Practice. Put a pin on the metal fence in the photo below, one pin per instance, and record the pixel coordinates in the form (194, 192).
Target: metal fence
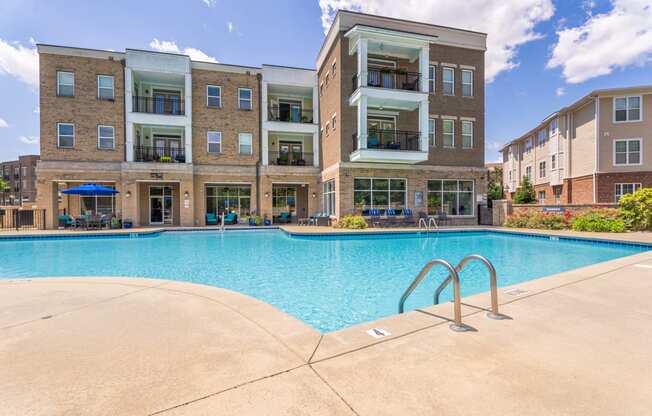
(22, 219)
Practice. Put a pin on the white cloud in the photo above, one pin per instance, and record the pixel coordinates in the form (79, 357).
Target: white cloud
(229, 26)
(560, 91)
(29, 139)
(171, 46)
(604, 42)
(508, 23)
(3, 123)
(19, 61)
(209, 3)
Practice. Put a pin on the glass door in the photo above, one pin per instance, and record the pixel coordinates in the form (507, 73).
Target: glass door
(160, 205)
(291, 152)
(380, 131)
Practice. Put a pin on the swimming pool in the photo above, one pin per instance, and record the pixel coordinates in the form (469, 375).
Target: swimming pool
(329, 282)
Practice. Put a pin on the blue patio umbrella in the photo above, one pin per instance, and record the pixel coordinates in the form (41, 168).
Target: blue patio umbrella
(90, 189)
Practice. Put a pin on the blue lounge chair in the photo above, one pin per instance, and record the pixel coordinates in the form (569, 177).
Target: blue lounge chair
(66, 221)
(283, 218)
(374, 215)
(231, 218)
(408, 217)
(211, 218)
(391, 217)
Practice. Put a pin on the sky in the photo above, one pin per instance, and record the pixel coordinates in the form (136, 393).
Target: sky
(541, 55)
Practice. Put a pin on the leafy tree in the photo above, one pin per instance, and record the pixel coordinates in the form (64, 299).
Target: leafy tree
(495, 191)
(525, 193)
(636, 208)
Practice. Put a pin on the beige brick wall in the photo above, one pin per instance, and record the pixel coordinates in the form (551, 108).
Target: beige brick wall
(85, 110)
(228, 119)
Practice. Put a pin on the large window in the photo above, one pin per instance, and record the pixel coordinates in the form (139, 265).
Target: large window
(105, 137)
(467, 83)
(379, 193)
(214, 139)
(98, 205)
(431, 79)
(542, 138)
(542, 197)
(528, 145)
(65, 135)
(627, 109)
(229, 198)
(65, 84)
(105, 87)
(244, 98)
(450, 196)
(528, 172)
(467, 134)
(449, 81)
(626, 188)
(213, 96)
(627, 152)
(542, 169)
(449, 133)
(554, 127)
(284, 199)
(329, 197)
(431, 131)
(245, 143)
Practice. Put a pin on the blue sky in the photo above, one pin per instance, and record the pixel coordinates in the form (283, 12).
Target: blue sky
(542, 54)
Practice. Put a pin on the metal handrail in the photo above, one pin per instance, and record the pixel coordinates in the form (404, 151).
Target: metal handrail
(431, 224)
(431, 220)
(457, 307)
(494, 314)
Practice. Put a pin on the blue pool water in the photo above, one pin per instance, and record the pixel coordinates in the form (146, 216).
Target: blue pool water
(328, 282)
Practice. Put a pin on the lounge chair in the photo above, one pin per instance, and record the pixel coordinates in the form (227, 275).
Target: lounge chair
(442, 217)
(211, 218)
(408, 218)
(374, 219)
(392, 220)
(283, 218)
(230, 218)
(66, 221)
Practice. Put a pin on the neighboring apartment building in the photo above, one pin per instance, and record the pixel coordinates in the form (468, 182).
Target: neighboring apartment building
(179, 138)
(593, 151)
(20, 176)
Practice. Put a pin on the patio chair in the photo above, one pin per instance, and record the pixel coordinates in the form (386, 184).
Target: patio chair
(408, 218)
(372, 142)
(66, 221)
(211, 218)
(322, 219)
(392, 219)
(230, 218)
(105, 221)
(442, 217)
(374, 219)
(81, 223)
(283, 218)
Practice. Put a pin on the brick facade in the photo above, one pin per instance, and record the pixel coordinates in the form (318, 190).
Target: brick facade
(606, 183)
(20, 178)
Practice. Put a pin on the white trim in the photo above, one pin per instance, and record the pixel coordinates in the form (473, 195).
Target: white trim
(433, 79)
(73, 83)
(471, 123)
(214, 142)
(473, 202)
(99, 137)
(463, 83)
(640, 152)
(449, 65)
(334, 121)
(251, 143)
(389, 189)
(467, 118)
(59, 135)
(98, 87)
(443, 134)
(444, 82)
(634, 186)
(162, 196)
(444, 116)
(219, 88)
(471, 67)
(627, 97)
(434, 132)
(251, 98)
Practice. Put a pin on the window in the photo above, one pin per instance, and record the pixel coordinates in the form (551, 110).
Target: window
(105, 137)
(627, 152)
(554, 127)
(321, 89)
(214, 141)
(379, 193)
(99, 205)
(213, 96)
(244, 98)
(452, 197)
(105, 87)
(24, 185)
(65, 84)
(65, 135)
(557, 190)
(229, 198)
(542, 197)
(528, 145)
(528, 172)
(431, 131)
(245, 143)
(542, 138)
(24, 170)
(327, 128)
(627, 109)
(449, 133)
(542, 169)
(626, 188)
(334, 122)
(467, 83)
(449, 81)
(329, 197)
(467, 134)
(333, 68)
(284, 199)
(431, 79)
(553, 162)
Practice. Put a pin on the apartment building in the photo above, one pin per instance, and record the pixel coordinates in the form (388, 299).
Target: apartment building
(592, 151)
(20, 177)
(393, 117)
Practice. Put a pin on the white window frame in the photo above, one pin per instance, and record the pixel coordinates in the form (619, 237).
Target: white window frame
(432, 132)
(627, 97)
(389, 190)
(627, 163)
(99, 138)
(59, 135)
(432, 78)
(219, 96)
(619, 187)
(334, 122)
(250, 100)
(462, 123)
(329, 196)
(452, 82)
(529, 144)
(334, 67)
(209, 142)
(553, 162)
(104, 88)
(542, 171)
(553, 128)
(542, 201)
(458, 192)
(60, 84)
(251, 143)
(466, 83)
(444, 134)
(528, 172)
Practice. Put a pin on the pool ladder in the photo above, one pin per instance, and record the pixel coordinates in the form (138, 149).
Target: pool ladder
(453, 276)
(430, 225)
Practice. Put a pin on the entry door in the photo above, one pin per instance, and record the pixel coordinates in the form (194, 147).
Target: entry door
(160, 205)
(174, 148)
(159, 147)
(291, 152)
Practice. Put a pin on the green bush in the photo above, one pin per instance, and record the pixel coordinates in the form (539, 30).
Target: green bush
(599, 220)
(354, 222)
(495, 191)
(525, 193)
(636, 209)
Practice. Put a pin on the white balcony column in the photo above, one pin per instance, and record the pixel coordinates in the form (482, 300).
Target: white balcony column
(424, 64)
(362, 122)
(264, 108)
(362, 62)
(129, 134)
(423, 125)
(129, 101)
(129, 141)
(315, 120)
(265, 146)
(315, 149)
(188, 115)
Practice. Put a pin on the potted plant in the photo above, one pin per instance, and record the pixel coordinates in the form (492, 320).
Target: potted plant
(165, 159)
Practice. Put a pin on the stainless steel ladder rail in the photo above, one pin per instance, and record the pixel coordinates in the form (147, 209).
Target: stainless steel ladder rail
(222, 222)
(429, 225)
(457, 307)
(423, 224)
(494, 314)
(431, 220)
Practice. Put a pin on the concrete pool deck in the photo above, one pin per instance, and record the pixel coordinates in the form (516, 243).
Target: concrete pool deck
(577, 343)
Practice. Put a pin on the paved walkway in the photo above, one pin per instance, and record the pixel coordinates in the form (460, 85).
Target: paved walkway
(578, 343)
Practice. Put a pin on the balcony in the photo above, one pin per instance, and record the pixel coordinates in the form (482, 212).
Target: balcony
(159, 154)
(291, 159)
(389, 146)
(290, 115)
(158, 105)
(395, 79)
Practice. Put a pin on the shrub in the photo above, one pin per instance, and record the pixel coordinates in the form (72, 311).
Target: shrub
(636, 209)
(495, 191)
(599, 220)
(537, 220)
(354, 222)
(525, 193)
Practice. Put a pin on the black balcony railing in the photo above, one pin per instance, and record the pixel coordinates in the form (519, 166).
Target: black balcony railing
(290, 159)
(390, 78)
(159, 105)
(291, 115)
(390, 140)
(159, 154)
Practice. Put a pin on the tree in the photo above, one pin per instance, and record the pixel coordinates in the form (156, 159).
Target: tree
(495, 191)
(525, 193)
(4, 187)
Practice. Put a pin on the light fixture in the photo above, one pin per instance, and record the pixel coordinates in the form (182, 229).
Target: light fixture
(266, 194)
(314, 195)
(128, 194)
(186, 194)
